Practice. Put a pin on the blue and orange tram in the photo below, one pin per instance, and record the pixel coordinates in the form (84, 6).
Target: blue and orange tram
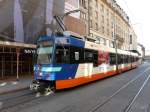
(69, 60)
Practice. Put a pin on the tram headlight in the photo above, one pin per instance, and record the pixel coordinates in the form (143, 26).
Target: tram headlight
(40, 74)
(34, 68)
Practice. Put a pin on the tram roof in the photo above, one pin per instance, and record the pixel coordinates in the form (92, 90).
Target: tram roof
(92, 45)
(96, 46)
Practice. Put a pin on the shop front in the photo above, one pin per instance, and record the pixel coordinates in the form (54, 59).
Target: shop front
(16, 59)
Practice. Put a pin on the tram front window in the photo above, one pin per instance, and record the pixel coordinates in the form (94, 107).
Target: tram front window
(44, 53)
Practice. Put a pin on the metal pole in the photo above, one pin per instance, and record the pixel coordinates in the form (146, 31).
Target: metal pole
(130, 42)
(115, 41)
(88, 17)
(116, 53)
(29, 66)
(3, 64)
(17, 64)
(12, 64)
(2, 68)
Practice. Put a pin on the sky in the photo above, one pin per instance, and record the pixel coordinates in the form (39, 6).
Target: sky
(139, 14)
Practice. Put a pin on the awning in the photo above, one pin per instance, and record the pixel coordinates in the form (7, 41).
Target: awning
(16, 44)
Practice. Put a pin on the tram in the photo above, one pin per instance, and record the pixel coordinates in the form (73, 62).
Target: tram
(68, 60)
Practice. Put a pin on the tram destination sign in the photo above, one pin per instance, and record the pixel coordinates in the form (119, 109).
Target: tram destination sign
(62, 41)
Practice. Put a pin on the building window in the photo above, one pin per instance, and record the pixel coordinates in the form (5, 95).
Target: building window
(83, 3)
(103, 30)
(91, 34)
(102, 8)
(90, 11)
(103, 19)
(112, 24)
(102, 41)
(96, 25)
(91, 24)
(112, 34)
(107, 22)
(107, 31)
(96, 15)
(96, 3)
(107, 13)
(83, 15)
(111, 44)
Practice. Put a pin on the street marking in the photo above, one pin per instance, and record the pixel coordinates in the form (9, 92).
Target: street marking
(3, 84)
(14, 83)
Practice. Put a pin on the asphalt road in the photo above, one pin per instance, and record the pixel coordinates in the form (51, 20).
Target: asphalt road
(126, 92)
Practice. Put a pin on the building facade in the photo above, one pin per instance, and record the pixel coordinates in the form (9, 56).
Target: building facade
(76, 22)
(106, 21)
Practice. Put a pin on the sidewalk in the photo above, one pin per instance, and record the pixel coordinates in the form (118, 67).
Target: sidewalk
(11, 85)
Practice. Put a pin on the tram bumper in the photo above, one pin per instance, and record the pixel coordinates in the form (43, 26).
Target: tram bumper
(35, 85)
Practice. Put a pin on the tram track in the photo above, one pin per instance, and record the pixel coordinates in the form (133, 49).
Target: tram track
(20, 100)
(24, 93)
(127, 108)
(27, 101)
(16, 100)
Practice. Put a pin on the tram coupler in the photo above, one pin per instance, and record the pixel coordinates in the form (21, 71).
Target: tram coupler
(45, 87)
(35, 85)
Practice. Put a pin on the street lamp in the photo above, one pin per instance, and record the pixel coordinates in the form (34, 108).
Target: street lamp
(116, 47)
(130, 43)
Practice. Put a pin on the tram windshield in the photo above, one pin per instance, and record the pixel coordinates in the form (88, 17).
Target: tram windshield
(44, 52)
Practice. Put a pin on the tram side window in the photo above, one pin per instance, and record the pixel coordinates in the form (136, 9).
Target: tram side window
(76, 55)
(137, 59)
(88, 56)
(119, 59)
(91, 56)
(112, 59)
(132, 58)
(122, 59)
(125, 59)
(95, 58)
(129, 59)
(62, 55)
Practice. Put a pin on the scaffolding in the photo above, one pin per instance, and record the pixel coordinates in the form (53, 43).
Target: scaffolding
(14, 61)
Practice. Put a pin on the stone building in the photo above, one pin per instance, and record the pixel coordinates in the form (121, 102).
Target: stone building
(105, 20)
